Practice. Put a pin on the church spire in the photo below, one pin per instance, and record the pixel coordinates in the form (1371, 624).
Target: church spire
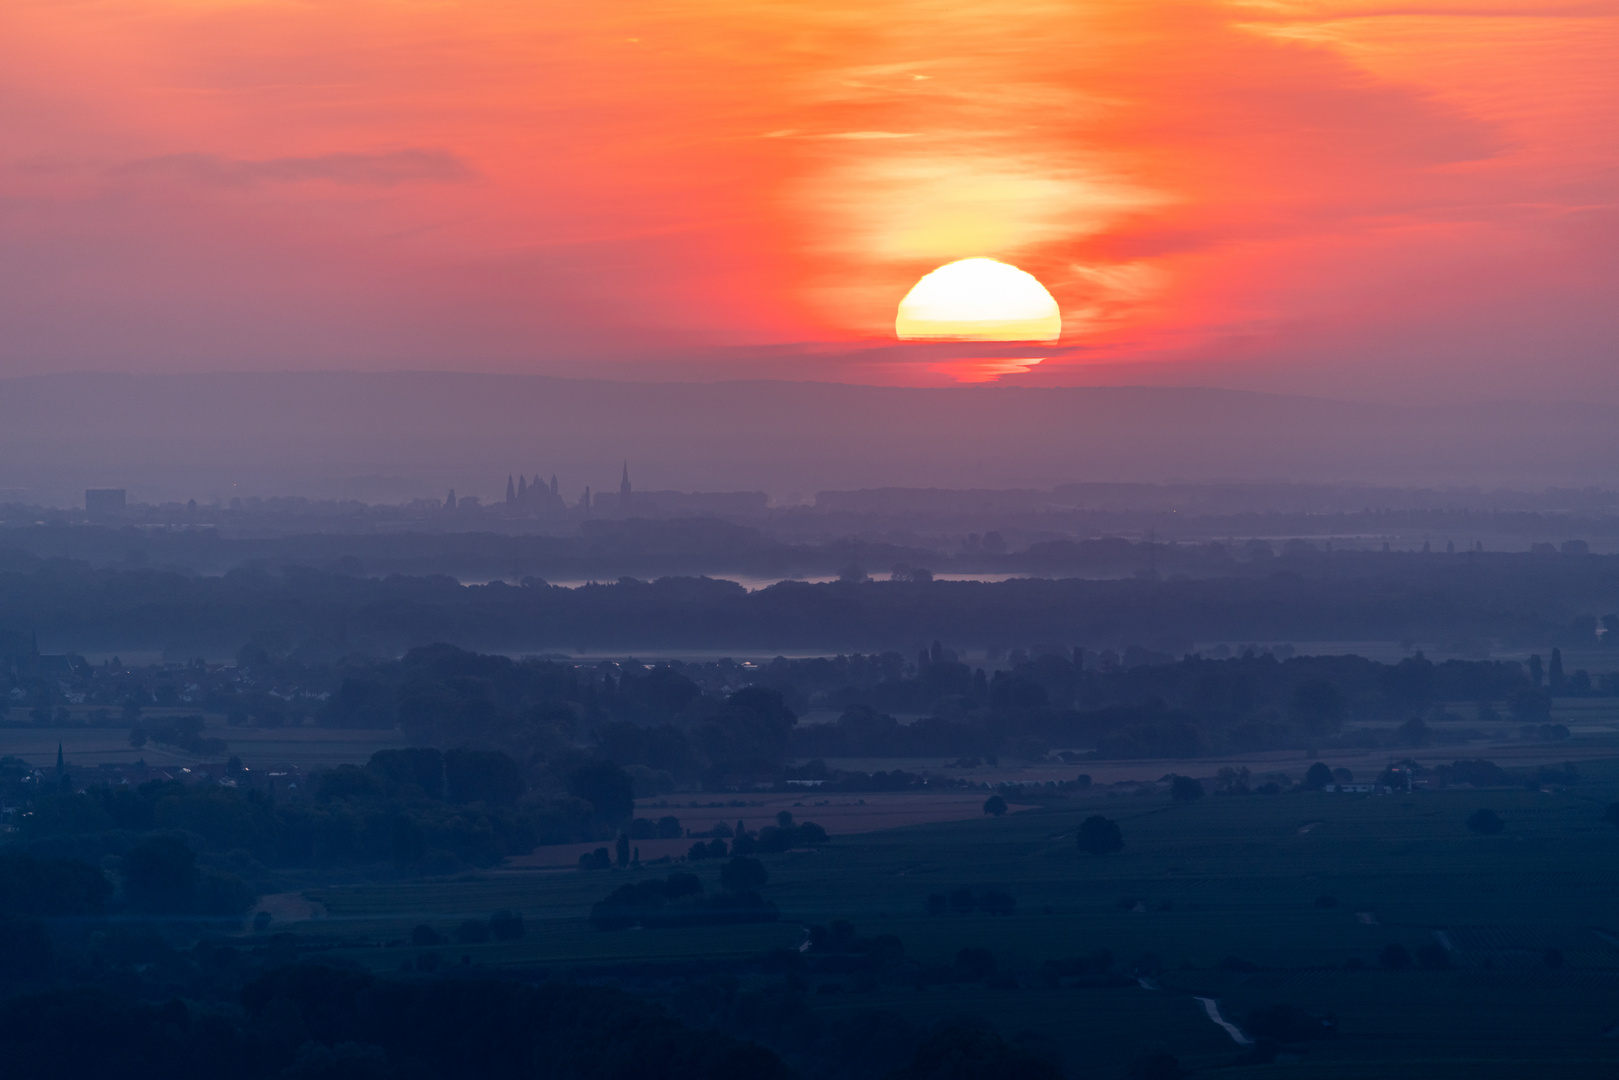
(624, 487)
(511, 490)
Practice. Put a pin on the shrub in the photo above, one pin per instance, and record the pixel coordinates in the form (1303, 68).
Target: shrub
(1433, 957)
(506, 925)
(1485, 821)
(995, 806)
(743, 875)
(994, 902)
(1286, 1024)
(1100, 836)
(1394, 957)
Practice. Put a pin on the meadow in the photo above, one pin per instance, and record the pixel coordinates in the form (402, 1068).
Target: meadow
(1222, 897)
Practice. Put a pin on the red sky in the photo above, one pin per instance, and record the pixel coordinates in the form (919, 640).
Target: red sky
(1343, 197)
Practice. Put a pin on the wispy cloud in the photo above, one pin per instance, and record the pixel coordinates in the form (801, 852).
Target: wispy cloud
(414, 166)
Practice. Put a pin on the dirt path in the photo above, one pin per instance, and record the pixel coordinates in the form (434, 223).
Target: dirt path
(1212, 1007)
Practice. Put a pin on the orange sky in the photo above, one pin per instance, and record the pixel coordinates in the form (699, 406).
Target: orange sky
(1338, 197)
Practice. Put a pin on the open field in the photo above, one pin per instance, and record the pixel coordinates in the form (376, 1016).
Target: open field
(1223, 877)
(304, 747)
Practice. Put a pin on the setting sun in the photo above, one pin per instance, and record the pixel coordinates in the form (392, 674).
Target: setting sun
(978, 300)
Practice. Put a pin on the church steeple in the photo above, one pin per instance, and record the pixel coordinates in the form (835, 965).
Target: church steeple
(624, 487)
(511, 490)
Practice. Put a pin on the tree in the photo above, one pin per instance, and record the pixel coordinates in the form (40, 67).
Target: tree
(1100, 836)
(1485, 821)
(160, 873)
(1318, 776)
(606, 787)
(743, 874)
(506, 925)
(482, 776)
(1287, 1024)
(622, 849)
(413, 767)
(1433, 956)
(1318, 705)
(995, 806)
(1530, 705)
(1185, 789)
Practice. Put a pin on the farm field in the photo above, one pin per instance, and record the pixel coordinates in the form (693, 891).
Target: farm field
(1219, 898)
(303, 747)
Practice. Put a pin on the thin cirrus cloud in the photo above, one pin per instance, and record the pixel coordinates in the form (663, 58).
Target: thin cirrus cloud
(1334, 196)
(378, 169)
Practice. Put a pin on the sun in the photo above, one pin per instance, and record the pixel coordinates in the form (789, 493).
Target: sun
(978, 300)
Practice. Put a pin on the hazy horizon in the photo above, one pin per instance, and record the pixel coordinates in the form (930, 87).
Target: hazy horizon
(214, 435)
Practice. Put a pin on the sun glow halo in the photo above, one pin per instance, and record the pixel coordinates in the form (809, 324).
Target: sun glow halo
(978, 300)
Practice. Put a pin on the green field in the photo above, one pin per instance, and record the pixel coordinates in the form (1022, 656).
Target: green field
(1219, 878)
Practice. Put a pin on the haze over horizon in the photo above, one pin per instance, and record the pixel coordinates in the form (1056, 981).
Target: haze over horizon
(215, 435)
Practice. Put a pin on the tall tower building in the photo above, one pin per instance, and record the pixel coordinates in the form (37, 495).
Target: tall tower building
(624, 487)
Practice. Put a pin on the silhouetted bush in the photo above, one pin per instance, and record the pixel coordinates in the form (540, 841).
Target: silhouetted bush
(1100, 836)
(1433, 957)
(1288, 1024)
(1394, 957)
(506, 925)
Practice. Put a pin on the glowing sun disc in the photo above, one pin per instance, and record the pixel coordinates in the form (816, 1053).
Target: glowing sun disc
(978, 300)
